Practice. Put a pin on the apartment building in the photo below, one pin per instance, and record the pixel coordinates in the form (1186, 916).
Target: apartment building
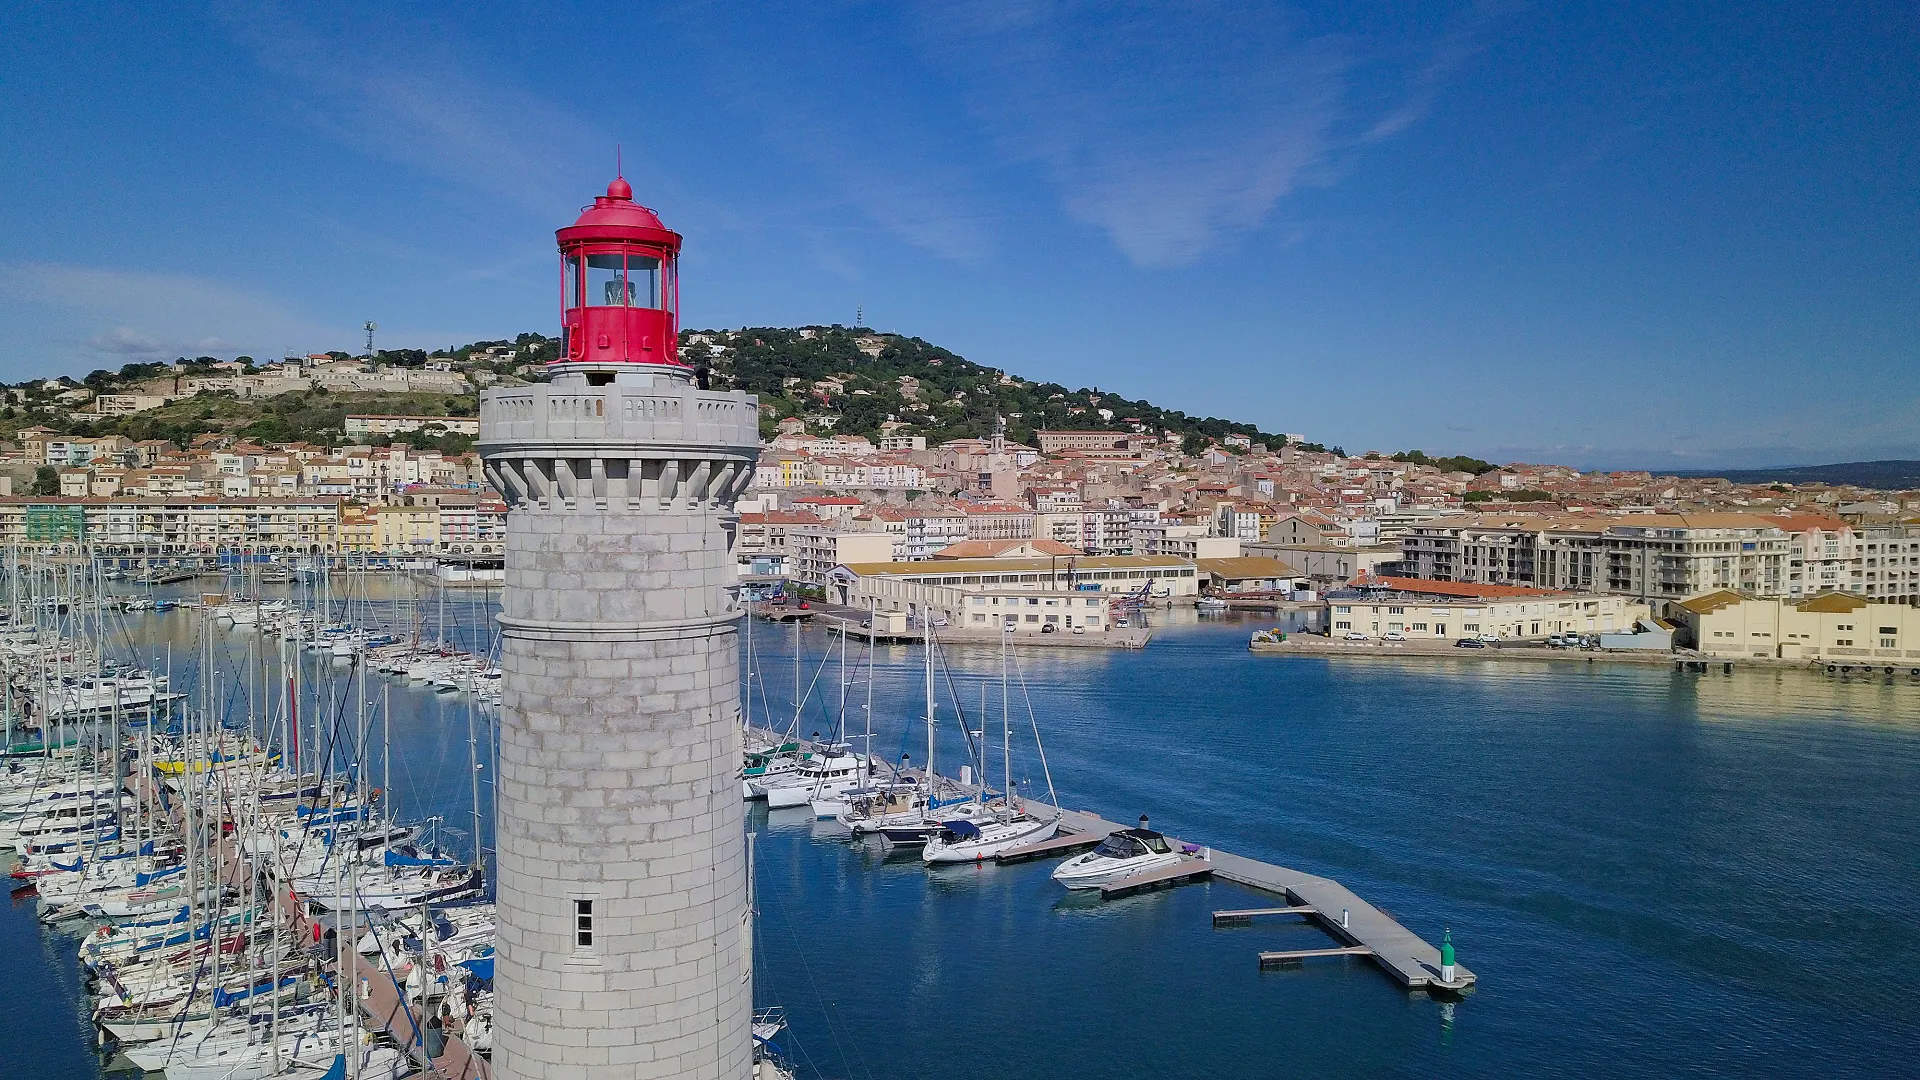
(1889, 563)
(998, 521)
(395, 425)
(760, 544)
(817, 549)
(407, 529)
(127, 404)
(1652, 556)
(1829, 627)
(928, 530)
(1438, 611)
(1092, 443)
(948, 588)
(168, 527)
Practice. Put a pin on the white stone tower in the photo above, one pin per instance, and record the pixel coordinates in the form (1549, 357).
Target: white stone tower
(621, 850)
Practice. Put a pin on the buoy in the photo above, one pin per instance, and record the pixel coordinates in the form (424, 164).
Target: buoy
(1446, 955)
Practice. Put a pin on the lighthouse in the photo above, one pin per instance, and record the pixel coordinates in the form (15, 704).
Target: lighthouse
(621, 859)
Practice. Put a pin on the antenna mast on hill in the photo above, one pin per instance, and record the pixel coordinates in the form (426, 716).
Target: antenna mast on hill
(859, 317)
(370, 328)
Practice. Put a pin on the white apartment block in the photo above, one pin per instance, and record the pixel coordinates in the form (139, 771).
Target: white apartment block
(1664, 556)
(395, 425)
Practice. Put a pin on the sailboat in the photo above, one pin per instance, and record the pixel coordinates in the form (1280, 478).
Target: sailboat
(1004, 825)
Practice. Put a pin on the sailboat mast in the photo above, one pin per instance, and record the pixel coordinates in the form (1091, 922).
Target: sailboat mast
(870, 639)
(926, 637)
(1006, 728)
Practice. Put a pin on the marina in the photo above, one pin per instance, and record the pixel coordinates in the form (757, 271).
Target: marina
(1277, 918)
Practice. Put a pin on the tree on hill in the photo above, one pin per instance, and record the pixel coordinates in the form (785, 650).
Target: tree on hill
(1457, 463)
(46, 481)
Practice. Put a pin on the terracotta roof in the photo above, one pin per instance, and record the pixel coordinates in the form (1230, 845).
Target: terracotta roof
(1455, 588)
(1803, 522)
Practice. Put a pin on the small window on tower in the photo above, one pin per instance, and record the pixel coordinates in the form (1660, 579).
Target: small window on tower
(583, 924)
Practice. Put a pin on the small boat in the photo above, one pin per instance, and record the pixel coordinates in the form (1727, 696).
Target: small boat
(1122, 854)
(1210, 603)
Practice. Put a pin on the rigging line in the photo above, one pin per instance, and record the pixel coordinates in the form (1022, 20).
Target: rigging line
(864, 1067)
(813, 986)
(959, 710)
(1035, 721)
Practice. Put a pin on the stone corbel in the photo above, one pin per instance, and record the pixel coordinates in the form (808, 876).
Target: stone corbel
(669, 483)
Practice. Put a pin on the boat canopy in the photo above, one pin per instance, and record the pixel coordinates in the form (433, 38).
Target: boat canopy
(394, 858)
(962, 830)
(144, 880)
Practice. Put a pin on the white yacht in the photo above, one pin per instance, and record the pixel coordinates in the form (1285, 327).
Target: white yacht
(1120, 855)
(829, 774)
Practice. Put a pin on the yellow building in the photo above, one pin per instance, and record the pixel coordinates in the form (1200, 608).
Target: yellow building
(402, 529)
(1832, 627)
(359, 532)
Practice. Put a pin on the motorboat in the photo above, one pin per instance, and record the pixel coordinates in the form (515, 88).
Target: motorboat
(1121, 855)
(1210, 603)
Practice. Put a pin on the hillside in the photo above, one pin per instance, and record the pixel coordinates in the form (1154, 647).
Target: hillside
(1892, 475)
(852, 379)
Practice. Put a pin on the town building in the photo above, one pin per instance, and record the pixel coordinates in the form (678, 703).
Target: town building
(1830, 627)
(1439, 610)
(1091, 443)
(957, 589)
(395, 425)
(1651, 556)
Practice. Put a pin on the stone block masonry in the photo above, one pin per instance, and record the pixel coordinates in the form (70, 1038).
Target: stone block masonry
(622, 947)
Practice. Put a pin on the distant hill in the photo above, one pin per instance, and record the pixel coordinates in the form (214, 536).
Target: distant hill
(854, 376)
(1884, 475)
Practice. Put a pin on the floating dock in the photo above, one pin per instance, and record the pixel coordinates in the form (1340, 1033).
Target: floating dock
(1360, 928)
(1068, 844)
(1187, 869)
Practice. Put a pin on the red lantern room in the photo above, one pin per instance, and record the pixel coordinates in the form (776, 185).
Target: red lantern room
(619, 290)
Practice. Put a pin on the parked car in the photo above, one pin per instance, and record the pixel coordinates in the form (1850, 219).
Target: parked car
(1050, 628)
(1489, 638)
(1469, 643)
(1079, 629)
(1356, 635)
(1393, 635)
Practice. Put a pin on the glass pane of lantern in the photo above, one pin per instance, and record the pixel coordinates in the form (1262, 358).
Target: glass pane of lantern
(573, 281)
(605, 285)
(643, 278)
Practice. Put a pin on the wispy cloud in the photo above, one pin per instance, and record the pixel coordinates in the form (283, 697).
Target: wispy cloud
(852, 136)
(415, 103)
(1165, 129)
(147, 315)
(1172, 129)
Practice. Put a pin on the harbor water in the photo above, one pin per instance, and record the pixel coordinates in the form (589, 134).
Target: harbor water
(1653, 873)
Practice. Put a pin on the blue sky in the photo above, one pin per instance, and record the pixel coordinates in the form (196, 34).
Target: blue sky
(1677, 235)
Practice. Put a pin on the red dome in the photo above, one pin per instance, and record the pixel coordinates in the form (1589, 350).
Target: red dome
(615, 216)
